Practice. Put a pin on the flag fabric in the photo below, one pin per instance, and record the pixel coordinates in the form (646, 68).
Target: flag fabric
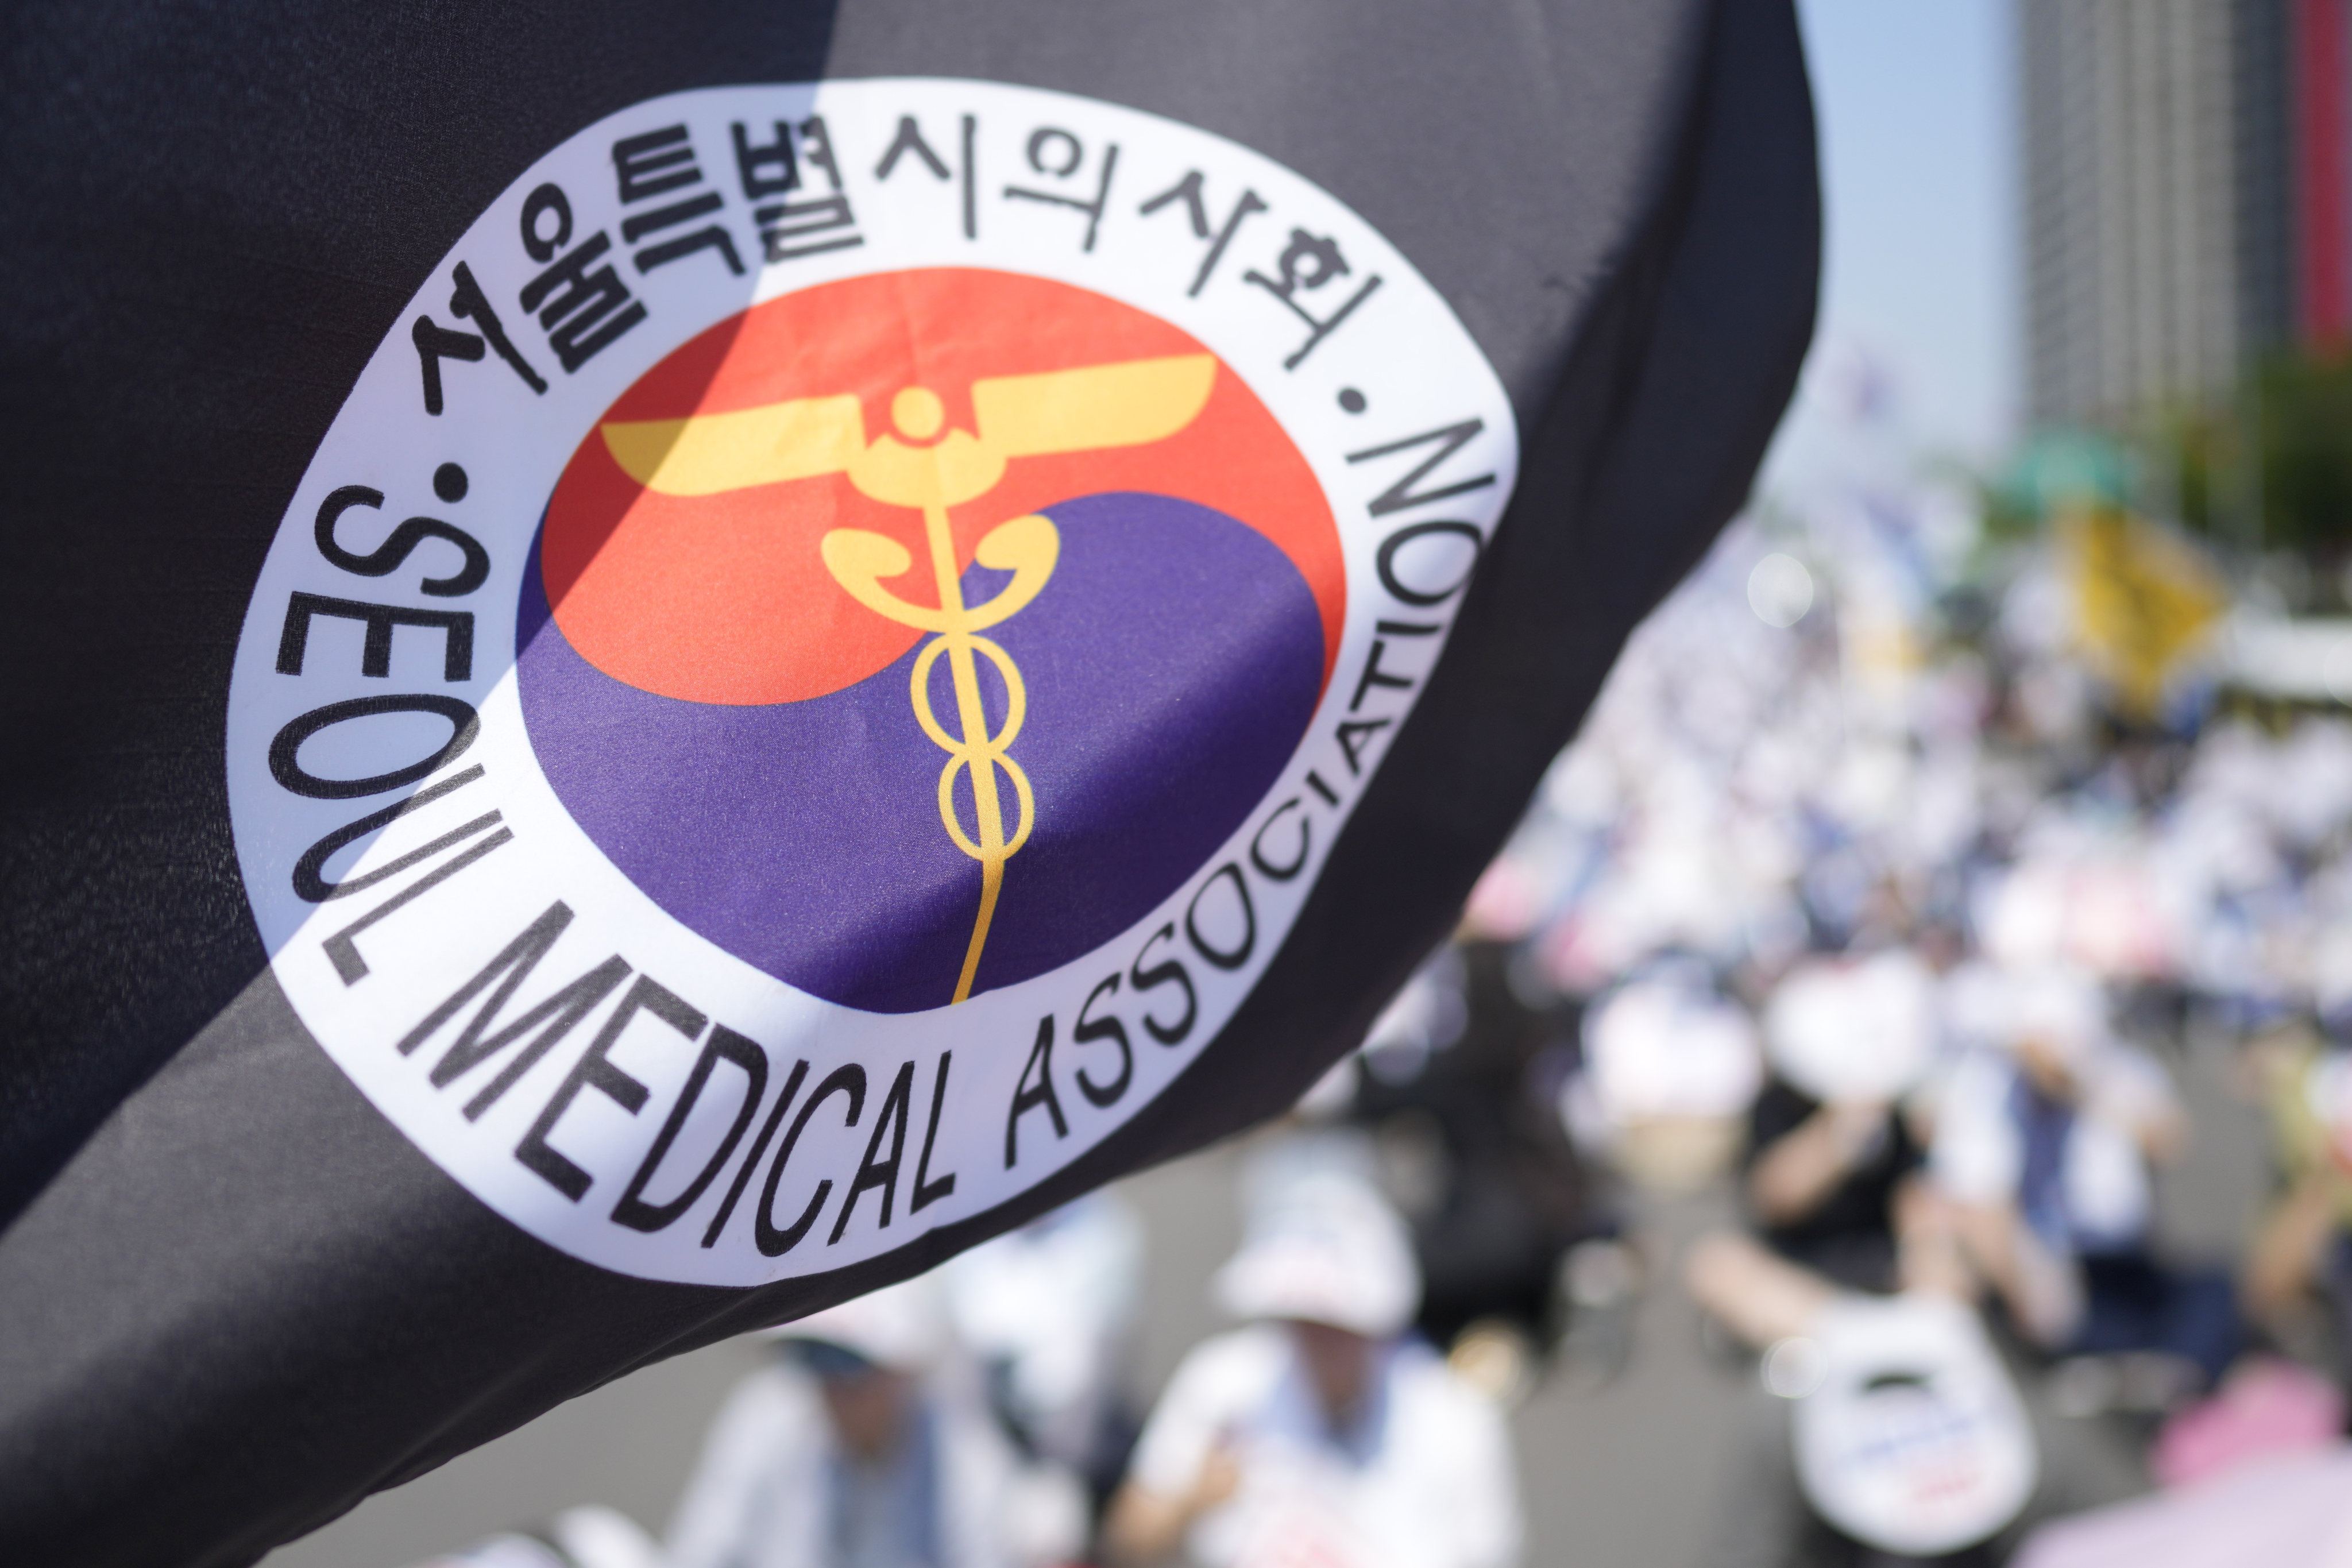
(665, 663)
(2147, 600)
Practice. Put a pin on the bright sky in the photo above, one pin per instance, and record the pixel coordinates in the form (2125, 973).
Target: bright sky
(1921, 272)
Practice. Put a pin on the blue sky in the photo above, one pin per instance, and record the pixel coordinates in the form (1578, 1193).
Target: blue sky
(1920, 180)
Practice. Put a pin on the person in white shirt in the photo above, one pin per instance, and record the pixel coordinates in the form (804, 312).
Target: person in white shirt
(1320, 1434)
(2044, 1150)
(860, 1447)
(1047, 1312)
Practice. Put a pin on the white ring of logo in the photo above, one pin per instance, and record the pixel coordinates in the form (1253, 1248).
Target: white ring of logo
(372, 672)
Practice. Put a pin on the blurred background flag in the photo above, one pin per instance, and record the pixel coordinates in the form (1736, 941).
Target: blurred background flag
(2147, 600)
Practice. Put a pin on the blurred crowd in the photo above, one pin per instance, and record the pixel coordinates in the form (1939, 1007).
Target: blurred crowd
(1868, 896)
(1875, 890)
(979, 1417)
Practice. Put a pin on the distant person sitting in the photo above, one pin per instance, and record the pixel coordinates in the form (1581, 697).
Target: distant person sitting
(1319, 1435)
(1449, 1068)
(2044, 1150)
(1832, 1161)
(1046, 1311)
(858, 1448)
(2297, 1279)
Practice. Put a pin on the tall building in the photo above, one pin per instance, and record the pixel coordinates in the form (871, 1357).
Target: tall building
(2188, 174)
(2136, 291)
(2311, 88)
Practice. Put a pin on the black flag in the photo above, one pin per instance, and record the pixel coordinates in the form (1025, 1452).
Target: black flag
(666, 662)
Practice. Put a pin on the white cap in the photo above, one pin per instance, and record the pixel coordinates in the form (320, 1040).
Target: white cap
(1842, 1030)
(2062, 1008)
(589, 1537)
(1330, 1250)
(1662, 1048)
(902, 1326)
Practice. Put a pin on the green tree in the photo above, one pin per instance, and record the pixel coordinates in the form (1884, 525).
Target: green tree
(2301, 410)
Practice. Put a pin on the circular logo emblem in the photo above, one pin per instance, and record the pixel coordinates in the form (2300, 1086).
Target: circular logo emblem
(993, 599)
(817, 667)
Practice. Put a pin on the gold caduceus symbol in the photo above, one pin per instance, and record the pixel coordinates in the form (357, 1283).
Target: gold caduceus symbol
(922, 464)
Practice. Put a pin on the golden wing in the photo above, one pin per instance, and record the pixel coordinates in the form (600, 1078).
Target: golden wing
(1099, 405)
(709, 453)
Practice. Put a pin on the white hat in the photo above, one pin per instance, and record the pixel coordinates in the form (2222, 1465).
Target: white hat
(902, 1326)
(1840, 1029)
(1330, 1250)
(1665, 1048)
(590, 1537)
(2064, 1008)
